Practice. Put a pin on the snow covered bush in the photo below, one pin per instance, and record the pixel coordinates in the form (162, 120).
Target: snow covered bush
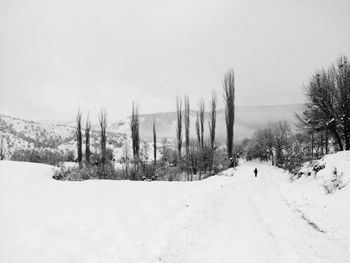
(106, 171)
(294, 157)
(332, 171)
(47, 156)
(336, 183)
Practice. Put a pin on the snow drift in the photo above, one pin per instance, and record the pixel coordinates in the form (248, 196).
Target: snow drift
(236, 218)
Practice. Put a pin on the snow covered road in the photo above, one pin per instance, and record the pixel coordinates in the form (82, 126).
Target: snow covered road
(253, 222)
(235, 218)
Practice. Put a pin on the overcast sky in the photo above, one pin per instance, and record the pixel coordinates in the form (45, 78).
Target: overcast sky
(56, 56)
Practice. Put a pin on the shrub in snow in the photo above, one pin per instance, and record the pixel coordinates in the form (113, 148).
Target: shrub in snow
(46, 156)
(106, 171)
(336, 183)
(319, 167)
(74, 173)
(332, 171)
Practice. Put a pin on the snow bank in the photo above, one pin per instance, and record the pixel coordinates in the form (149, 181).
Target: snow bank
(340, 162)
(329, 211)
(220, 219)
(44, 220)
(331, 169)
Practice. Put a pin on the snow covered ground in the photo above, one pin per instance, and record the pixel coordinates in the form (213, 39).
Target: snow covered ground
(235, 218)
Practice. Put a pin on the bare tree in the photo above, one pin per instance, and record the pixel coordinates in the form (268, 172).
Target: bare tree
(321, 110)
(201, 107)
(281, 131)
(327, 107)
(179, 126)
(194, 157)
(2, 148)
(135, 131)
(198, 132)
(212, 127)
(154, 142)
(102, 119)
(126, 157)
(201, 114)
(196, 153)
(270, 142)
(87, 141)
(79, 138)
(187, 132)
(145, 148)
(342, 83)
(229, 100)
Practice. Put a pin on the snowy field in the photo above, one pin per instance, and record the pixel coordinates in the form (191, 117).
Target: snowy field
(235, 218)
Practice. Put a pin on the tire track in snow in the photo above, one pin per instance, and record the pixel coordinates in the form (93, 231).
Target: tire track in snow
(248, 222)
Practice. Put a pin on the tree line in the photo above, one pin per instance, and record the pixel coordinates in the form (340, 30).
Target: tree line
(322, 127)
(196, 159)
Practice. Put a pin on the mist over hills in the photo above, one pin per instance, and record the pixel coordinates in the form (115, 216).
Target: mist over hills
(247, 120)
(23, 134)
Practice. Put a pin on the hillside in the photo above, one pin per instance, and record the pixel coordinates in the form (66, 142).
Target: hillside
(23, 134)
(20, 134)
(247, 120)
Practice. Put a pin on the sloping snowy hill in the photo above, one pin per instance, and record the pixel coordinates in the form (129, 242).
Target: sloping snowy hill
(247, 120)
(20, 134)
(330, 167)
(221, 219)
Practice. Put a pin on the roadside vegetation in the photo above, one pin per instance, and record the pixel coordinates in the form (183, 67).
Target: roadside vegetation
(322, 128)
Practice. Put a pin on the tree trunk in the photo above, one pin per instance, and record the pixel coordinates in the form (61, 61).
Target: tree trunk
(338, 139)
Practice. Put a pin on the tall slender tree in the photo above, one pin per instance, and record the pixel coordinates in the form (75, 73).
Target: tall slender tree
(196, 152)
(79, 138)
(202, 155)
(102, 118)
(154, 142)
(187, 133)
(87, 140)
(212, 127)
(2, 148)
(198, 132)
(229, 100)
(179, 126)
(201, 106)
(135, 131)
(126, 157)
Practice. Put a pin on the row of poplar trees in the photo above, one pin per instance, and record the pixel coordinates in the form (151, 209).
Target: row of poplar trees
(102, 119)
(183, 118)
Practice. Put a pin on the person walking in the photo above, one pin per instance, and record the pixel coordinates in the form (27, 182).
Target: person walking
(256, 172)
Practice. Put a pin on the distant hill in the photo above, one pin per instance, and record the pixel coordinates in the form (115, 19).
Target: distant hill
(247, 120)
(23, 134)
(27, 135)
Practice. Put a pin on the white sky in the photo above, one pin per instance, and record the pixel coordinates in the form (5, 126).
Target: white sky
(56, 56)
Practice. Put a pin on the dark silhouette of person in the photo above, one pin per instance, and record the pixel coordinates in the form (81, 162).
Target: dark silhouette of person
(256, 172)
